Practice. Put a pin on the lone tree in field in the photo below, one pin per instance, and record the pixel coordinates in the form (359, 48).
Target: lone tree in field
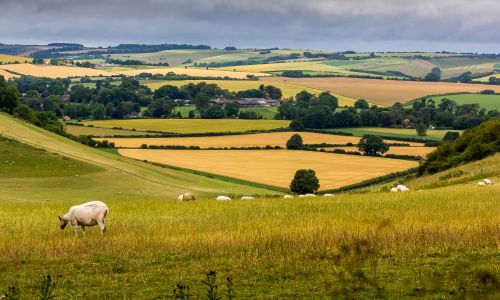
(421, 129)
(304, 181)
(295, 142)
(372, 145)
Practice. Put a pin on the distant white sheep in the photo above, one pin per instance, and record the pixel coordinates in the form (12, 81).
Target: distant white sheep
(247, 198)
(288, 197)
(487, 181)
(223, 198)
(481, 183)
(187, 197)
(310, 195)
(86, 214)
(302, 196)
(394, 190)
(402, 188)
(328, 195)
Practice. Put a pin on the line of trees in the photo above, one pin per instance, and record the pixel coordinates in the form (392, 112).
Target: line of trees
(317, 112)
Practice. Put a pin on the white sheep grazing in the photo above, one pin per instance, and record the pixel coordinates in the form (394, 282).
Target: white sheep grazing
(247, 198)
(287, 197)
(481, 183)
(187, 197)
(223, 198)
(302, 196)
(487, 181)
(402, 188)
(310, 195)
(394, 190)
(86, 214)
(328, 195)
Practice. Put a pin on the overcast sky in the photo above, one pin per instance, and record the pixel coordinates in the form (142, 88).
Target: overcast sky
(361, 25)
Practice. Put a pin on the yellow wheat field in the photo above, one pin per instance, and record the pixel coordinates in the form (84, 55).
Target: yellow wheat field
(8, 59)
(53, 71)
(275, 167)
(194, 72)
(246, 140)
(7, 75)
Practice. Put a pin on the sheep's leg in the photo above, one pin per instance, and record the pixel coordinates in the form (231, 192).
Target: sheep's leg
(102, 226)
(83, 229)
(75, 229)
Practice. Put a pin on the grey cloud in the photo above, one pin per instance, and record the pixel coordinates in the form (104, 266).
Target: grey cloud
(459, 25)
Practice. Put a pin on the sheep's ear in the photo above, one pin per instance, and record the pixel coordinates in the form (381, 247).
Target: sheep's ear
(60, 219)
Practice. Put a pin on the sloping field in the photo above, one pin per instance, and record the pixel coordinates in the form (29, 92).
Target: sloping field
(289, 90)
(172, 57)
(487, 78)
(53, 71)
(7, 75)
(416, 151)
(192, 126)
(397, 132)
(194, 72)
(275, 167)
(119, 178)
(7, 59)
(383, 92)
(488, 102)
(246, 140)
(97, 131)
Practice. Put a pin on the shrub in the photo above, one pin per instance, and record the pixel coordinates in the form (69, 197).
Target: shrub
(304, 181)
(451, 136)
(295, 142)
(372, 145)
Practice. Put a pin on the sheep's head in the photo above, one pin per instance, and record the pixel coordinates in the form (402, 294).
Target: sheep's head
(63, 222)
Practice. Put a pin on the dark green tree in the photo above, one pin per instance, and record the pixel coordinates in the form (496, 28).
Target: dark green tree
(231, 110)
(297, 125)
(304, 181)
(361, 104)
(421, 129)
(9, 96)
(372, 145)
(450, 136)
(295, 142)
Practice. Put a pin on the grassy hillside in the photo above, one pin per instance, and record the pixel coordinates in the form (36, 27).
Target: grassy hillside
(488, 102)
(396, 132)
(112, 176)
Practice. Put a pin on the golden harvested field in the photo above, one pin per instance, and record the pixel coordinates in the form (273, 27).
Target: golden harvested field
(6, 59)
(193, 72)
(192, 125)
(487, 78)
(289, 90)
(383, 92)
(246, 140)
(53, 71)
(275, 167)
(417, 151)
(7, 75)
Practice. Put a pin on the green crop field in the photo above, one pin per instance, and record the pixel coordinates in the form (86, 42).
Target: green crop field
(192, 125)
(438, 243)
(266, 112)
(488, 102)
(97, 131)
(395, 132)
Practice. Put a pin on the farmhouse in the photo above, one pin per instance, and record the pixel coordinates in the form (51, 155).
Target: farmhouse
(247, 102)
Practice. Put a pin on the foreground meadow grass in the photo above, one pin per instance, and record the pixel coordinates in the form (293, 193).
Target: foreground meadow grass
(409, 244)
